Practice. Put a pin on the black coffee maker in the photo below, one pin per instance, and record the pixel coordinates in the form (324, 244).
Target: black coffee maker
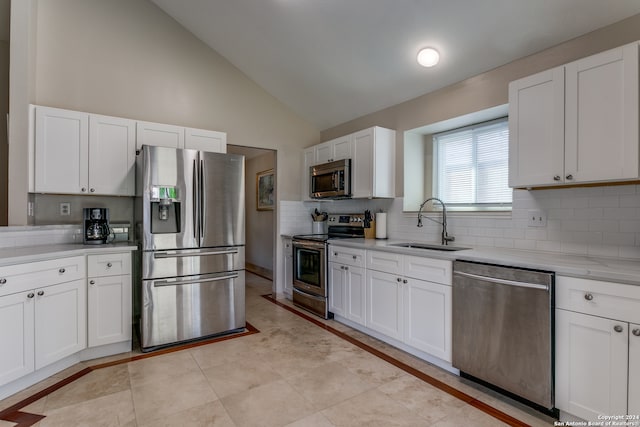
(96, 225)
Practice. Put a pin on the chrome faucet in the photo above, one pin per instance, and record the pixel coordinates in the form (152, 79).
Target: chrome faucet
(445, 237)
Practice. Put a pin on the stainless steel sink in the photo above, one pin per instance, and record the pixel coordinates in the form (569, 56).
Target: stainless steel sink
(432, 247)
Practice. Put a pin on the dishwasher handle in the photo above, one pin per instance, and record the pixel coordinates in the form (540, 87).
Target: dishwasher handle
(504, 281)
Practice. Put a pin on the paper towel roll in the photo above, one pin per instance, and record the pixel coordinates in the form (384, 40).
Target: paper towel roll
(381, 225)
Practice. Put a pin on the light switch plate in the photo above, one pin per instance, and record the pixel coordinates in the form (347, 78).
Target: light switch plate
(537, 218)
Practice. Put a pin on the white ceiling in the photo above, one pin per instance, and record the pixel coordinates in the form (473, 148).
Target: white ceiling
(335, 60)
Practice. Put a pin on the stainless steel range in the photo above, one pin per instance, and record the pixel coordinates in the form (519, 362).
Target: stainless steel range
(310, 289)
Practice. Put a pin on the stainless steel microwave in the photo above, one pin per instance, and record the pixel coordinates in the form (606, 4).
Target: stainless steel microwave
(330, 180)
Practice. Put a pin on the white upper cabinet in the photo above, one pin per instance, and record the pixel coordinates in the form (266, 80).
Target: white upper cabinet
(82, 153)
(307, 162)
(61, 151)
(373, 164)
(163, 135)
(536, 129)
(205, 140)
(335, 149)
(577, 123)
(159, 135)
(601, 139)
(112, 143)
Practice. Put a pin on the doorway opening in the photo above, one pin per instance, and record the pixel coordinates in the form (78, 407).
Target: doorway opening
(260, 208)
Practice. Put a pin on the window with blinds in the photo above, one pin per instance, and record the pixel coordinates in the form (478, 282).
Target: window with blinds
(471, 166)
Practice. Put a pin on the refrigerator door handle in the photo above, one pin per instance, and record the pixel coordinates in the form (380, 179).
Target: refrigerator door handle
(160, 283)
(173, 254)
(203, 201)
(195, 199)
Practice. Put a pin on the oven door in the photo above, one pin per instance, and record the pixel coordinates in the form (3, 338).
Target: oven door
(310, 267)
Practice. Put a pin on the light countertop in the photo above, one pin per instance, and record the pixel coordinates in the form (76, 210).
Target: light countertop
(19, 255)
(608, 269)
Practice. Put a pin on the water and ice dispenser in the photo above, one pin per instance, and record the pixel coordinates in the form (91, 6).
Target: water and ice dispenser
(165, 209)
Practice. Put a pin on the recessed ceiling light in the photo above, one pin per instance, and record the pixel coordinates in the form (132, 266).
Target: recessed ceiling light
(428, 57)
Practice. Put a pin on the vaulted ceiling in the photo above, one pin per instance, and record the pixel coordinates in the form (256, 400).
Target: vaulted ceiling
(336, 60)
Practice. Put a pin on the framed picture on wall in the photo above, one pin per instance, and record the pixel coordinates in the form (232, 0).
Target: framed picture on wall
(265, 197)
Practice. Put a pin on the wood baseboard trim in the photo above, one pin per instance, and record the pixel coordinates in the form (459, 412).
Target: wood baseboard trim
(265, 273)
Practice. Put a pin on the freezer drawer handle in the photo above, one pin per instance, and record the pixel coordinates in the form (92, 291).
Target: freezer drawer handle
(191, 282)
(189, 254)
(503, 281)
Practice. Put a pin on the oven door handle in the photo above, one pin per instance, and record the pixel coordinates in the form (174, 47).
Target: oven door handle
(308, 245)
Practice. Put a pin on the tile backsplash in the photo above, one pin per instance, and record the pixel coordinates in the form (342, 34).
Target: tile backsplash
(596, 221)
(39, 235)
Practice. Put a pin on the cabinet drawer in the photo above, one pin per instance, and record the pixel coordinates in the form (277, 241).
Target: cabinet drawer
(599, 298)
(432, 270)
(347, 256)
(22, 277)
(388, 262)
(109, 264)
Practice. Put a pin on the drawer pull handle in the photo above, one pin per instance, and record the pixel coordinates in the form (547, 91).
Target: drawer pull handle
(30, 295)
(588, 297)
(3, 281)
(92, 282)
(636, 332)
(40, 293)
(61, 271)
(618, 328)
(355, 257)
(109, 265)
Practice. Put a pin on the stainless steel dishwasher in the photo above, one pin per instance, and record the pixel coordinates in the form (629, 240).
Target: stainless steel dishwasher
(503, 329)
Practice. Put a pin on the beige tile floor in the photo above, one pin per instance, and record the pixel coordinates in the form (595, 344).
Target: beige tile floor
(292, 373)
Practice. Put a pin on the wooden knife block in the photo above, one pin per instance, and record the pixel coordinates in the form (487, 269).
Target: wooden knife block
(370, 233)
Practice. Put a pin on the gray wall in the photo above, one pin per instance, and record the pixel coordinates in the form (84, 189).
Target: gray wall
(4, 109)
(483, 91)
(128, 58)
(259, 224)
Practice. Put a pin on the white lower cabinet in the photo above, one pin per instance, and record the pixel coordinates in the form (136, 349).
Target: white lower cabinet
(288, 266)
(597, 348)
(16, 336)
(427, 317)
(347, 291)
(60, 322)
(109, 298)
(384, 304)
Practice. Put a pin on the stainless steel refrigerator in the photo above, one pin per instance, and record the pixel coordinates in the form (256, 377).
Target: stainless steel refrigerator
(190, 226)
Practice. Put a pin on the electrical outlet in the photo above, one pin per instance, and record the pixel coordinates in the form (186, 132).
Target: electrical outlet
(65, 209)
(537, 218)
(30, 209)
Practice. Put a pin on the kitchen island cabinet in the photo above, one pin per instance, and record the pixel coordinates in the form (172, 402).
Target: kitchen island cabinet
(558, 120)
(597, 342)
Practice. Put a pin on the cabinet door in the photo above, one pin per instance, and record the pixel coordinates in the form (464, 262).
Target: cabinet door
(602, 116)
(308, 161)
(16, 336)
(159, 135)
(109, 310)
(427, 317)
(356, 294)
(591, 365)
(61, 151)
(634, 370)
(288, 268)
(337, 289)
(112, 156)
(323, 152)
(205, 140)
(362, 164)
(341, 147)
(536, 129)
(60, 321)
(384, 303)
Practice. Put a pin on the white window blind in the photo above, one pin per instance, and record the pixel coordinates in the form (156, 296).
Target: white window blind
(472, 165)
